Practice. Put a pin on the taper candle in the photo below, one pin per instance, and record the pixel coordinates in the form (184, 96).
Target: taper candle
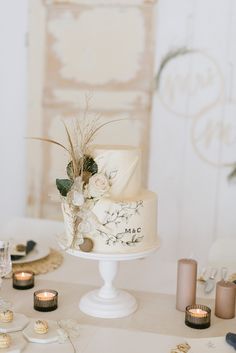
(186, 283)
(225, 299)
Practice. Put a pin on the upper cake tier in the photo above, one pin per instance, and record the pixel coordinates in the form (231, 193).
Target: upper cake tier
(121, 164)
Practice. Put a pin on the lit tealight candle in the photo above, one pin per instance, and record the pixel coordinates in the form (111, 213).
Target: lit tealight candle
(23, 280)
(45, 300)
(45, 296)
(23, 276)
(198, 316)
(198, 312)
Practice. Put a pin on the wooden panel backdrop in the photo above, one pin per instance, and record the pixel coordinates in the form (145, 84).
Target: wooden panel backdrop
(79, 48)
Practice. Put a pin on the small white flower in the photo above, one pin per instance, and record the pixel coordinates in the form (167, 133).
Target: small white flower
(77, 198)
(62, 335)
(98, 185)
(86, 226)
(89, 221)
(71, 327)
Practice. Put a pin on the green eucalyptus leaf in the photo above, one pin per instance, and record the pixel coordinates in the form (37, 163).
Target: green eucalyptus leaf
(64, 186)
(90, 165)
(232, 175)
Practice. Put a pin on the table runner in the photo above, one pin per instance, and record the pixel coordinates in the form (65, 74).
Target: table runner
(156, 312)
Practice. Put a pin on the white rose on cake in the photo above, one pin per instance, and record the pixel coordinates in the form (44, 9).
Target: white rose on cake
(98, 185)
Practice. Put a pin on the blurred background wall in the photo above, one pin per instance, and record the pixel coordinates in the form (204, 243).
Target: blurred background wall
(192, 128)
(13, 107)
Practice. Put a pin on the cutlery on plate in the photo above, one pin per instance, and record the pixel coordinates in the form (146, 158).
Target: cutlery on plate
(210, 282)
(224, 272)
(202, 273)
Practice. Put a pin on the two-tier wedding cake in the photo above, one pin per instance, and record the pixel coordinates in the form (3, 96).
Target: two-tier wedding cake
(114, 212)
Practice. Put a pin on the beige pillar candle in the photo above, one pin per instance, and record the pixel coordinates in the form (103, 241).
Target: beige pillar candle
(186, 283)
(225, 299)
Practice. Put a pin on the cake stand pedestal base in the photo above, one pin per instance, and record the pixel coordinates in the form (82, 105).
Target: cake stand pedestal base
(122, 305)
(108, 301)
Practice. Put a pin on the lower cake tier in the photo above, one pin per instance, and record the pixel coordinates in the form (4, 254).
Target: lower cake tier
(125, 227)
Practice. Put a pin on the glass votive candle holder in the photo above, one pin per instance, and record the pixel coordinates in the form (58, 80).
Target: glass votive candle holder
(198, 316)
(23, 279)
(45, 300)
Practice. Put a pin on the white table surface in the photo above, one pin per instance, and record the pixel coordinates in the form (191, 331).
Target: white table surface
(155, 317)
(155, 327)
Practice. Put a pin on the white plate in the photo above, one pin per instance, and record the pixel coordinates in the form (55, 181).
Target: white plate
(40, 251)
(17, 324)
(18, 344)
(49, 337)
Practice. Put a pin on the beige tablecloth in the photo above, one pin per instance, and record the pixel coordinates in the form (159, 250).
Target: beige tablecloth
(155, 327)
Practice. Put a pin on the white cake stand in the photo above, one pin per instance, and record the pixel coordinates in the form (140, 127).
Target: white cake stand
(108, 301)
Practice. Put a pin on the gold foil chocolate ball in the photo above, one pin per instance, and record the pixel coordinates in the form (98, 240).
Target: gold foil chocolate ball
(6, 316)
(41, 327)
(5, 340)
(87, 245)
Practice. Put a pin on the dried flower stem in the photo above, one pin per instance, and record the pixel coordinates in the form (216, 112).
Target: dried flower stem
(83, 134)
(48, 140)
(70, 340)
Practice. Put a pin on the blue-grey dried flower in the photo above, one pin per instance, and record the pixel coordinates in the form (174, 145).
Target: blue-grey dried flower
(231, 339)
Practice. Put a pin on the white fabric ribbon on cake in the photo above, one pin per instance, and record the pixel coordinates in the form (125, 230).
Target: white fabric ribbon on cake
(122, 166)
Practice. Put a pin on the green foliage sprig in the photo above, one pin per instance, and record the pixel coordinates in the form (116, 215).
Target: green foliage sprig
(232, 175)
(172, 54)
